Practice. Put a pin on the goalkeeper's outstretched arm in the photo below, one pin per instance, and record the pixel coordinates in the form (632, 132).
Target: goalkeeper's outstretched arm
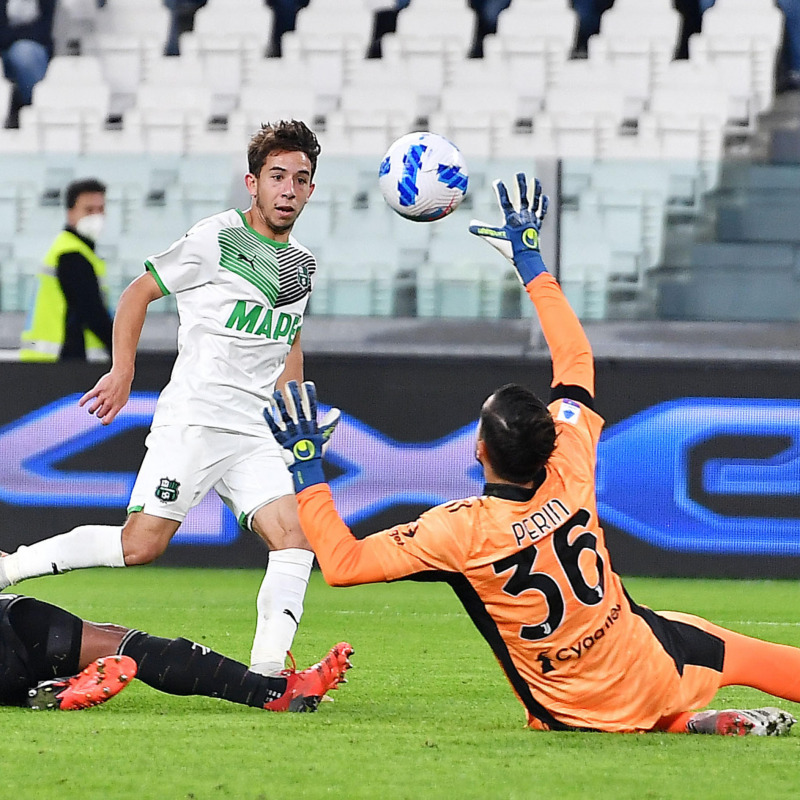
(518, 241)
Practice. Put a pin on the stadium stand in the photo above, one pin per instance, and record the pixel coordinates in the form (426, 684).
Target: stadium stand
(641, 136)
(740, 43)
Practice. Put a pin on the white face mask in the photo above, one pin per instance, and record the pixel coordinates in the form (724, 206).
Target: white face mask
(91, 226)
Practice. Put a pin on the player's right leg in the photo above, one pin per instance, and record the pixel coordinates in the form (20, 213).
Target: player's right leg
(766, 721)
(767, 666)
(183, 667)
(82, 547)
(258, 488)
(178, 470)
(139, 541)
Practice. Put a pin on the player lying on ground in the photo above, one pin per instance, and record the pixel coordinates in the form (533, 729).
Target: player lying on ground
(42, 647)
(528, 557)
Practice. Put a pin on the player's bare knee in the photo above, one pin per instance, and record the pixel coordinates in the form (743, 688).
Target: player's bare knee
(278, 525)
(99, 639)
(283, 538)
(145, 538)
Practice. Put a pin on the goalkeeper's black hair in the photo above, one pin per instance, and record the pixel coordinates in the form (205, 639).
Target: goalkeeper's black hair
(518, 432)
(284, 136)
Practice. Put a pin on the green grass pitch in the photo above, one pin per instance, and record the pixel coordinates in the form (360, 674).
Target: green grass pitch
(427, 712)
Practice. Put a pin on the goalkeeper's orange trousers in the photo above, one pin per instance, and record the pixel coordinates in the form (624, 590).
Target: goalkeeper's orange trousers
(767, 666)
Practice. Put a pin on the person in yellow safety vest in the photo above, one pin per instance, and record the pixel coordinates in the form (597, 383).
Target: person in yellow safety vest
(69, 318)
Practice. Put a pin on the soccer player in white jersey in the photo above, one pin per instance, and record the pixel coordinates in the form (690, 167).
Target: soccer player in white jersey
(242, 283)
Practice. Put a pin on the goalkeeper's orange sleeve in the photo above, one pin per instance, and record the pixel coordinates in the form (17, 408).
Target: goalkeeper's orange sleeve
(344, 560)
(573, 364)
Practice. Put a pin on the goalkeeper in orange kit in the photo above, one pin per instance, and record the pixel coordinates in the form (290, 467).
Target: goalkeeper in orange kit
(528, 557)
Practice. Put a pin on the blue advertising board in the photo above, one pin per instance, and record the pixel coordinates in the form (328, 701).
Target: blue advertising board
(698, 466)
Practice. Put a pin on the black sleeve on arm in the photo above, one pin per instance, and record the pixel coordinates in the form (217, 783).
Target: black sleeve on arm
(576, 393)
(82, 292)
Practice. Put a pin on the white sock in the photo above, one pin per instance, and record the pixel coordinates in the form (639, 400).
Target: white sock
(85, 546)
(280, 608)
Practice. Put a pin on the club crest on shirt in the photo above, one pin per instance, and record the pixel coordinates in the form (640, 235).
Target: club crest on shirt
(570, 411)
(167, 490)
(303, 277)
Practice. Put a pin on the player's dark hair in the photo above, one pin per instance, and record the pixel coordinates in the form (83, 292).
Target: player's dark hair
(79, 187)
(518, 432)
(286, 136)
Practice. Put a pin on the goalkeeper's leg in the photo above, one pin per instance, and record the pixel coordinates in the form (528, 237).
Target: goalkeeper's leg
(767, 666)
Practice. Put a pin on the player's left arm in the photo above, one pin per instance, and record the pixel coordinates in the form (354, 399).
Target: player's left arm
(518, 241)
(293, 366)
(345, 560)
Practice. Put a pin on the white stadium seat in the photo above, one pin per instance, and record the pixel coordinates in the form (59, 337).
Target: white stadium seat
(439, 35)
(331, 26)
(73, 23)
(585, 118)
(143, 17)
(690, 111)
(405, 78)
(123, 58)
(460, 277)
(535, 37)
(585, 263)
(740, 41)
(318, 81)
(355, 281)
(262, 102)
(640, 36)
(229, 136)
(72, 97)
(229, 39)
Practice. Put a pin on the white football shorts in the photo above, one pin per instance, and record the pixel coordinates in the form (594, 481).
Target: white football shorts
(184, 462)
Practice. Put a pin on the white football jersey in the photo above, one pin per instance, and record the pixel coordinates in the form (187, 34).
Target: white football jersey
(241, 299)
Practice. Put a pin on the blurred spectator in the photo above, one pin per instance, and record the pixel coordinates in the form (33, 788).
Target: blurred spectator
(181, 21)
(589, 13)
(285, 16)
(487, 12)
(69, 319)
(691, 12)
(385, 22)
(788, 69)
(26, 46)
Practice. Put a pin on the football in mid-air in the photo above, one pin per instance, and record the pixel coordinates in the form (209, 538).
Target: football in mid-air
(423, 176)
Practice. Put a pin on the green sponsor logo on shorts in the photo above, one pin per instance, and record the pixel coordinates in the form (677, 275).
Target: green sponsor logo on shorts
(167, 490)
